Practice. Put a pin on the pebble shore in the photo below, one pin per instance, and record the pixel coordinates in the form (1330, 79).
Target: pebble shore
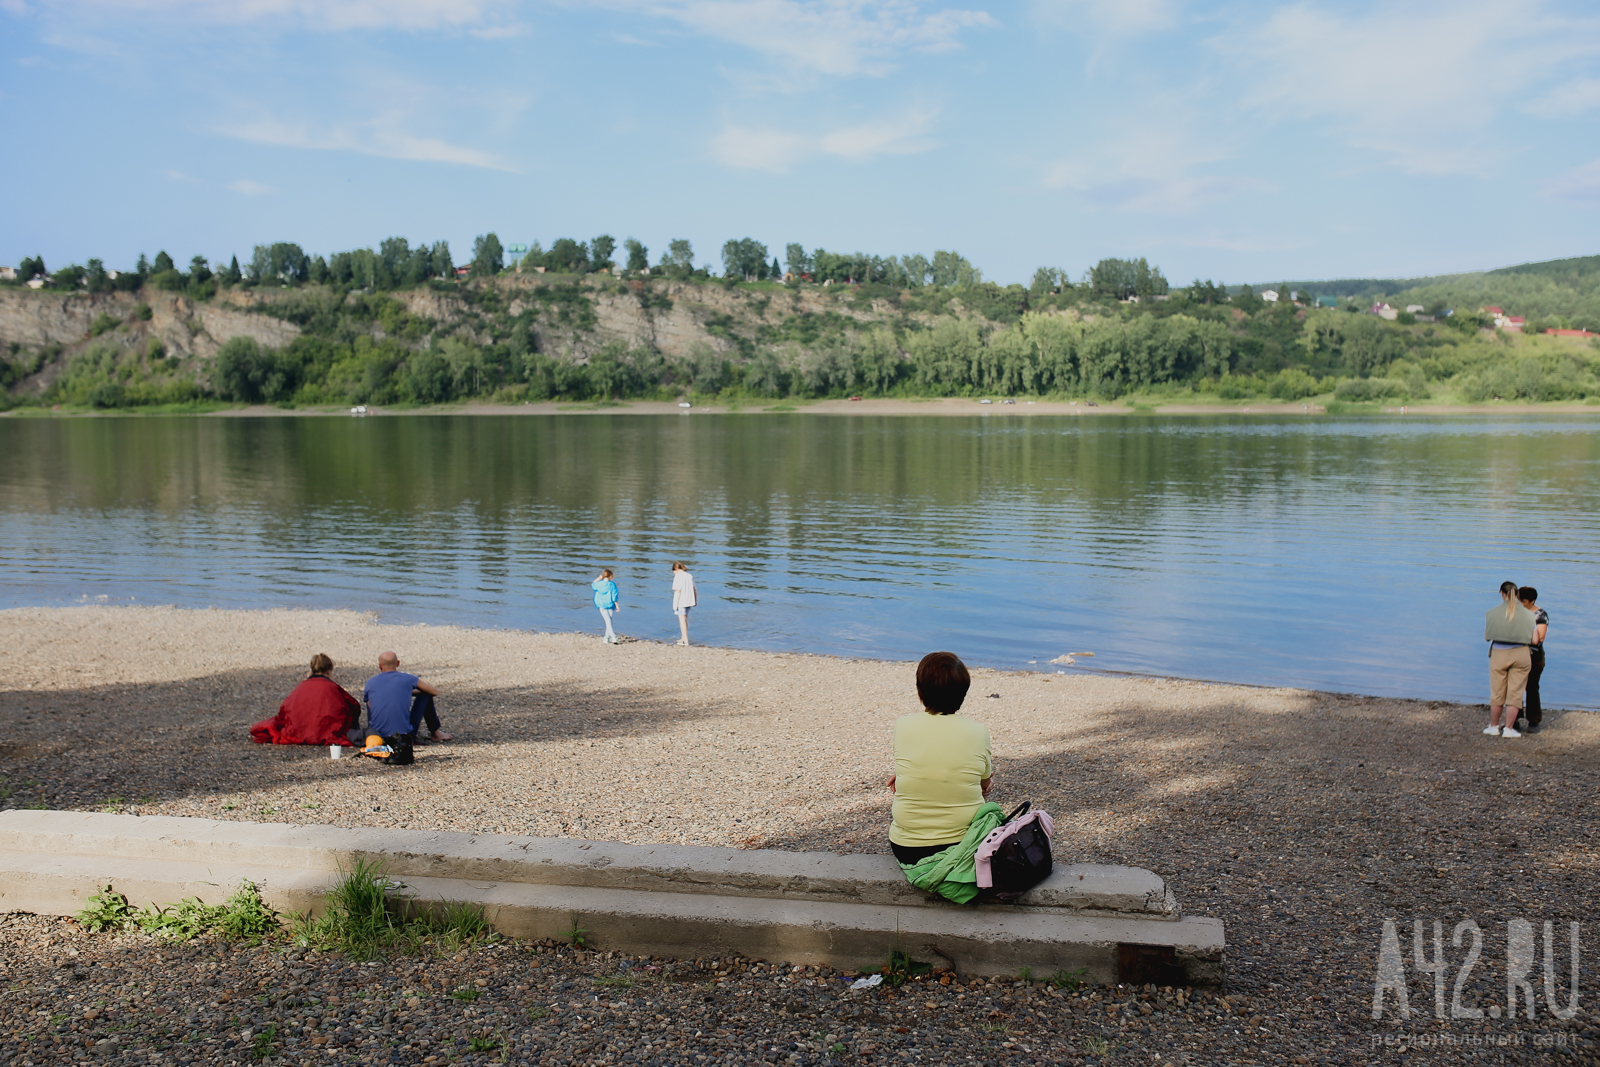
(1303, 820)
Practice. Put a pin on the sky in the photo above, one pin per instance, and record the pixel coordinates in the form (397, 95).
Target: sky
(1241, 142)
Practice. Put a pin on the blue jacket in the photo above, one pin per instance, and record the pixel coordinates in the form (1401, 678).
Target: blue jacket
(605, 592)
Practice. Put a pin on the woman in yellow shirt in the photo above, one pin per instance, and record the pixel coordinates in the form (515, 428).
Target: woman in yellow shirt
(942, 767)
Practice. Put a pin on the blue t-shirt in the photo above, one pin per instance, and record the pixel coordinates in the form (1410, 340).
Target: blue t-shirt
(388, 699)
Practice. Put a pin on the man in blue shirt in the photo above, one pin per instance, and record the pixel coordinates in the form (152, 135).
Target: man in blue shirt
(397, 702)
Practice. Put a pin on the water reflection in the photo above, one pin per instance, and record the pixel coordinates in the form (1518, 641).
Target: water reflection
(1337, 553)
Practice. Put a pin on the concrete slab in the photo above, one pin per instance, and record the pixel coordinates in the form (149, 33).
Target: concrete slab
(843, 911)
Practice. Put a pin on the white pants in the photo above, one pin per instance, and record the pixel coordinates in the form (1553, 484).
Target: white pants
(606, 613)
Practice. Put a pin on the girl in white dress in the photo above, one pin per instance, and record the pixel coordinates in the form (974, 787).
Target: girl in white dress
(682, 599)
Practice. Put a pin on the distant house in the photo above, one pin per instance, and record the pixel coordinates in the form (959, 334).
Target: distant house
(1270, 295)
(36, 283)
(1327, 302)
(1502, 321)
(1415, 308)
(8, 274)
(462, 272)
(1383, 311)
(1572, 333)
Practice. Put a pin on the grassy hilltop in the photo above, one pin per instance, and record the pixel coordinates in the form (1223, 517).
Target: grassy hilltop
(169, 338)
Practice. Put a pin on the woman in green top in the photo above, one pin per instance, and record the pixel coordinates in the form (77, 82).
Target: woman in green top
(942, 767)
(1509, 629)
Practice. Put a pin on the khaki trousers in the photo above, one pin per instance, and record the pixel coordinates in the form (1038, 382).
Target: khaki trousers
(1508, 675)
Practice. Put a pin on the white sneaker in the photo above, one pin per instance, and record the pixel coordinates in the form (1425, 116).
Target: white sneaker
(1492, 731)
(1510, 731)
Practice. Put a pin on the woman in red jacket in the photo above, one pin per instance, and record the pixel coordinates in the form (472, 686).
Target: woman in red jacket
(318, 712)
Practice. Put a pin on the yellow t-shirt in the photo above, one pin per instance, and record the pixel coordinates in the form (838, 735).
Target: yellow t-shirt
(939, 763)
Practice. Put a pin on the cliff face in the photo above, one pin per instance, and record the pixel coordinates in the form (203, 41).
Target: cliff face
(565, 317)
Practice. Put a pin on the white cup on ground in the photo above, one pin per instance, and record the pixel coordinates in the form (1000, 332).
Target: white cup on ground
(335, 751)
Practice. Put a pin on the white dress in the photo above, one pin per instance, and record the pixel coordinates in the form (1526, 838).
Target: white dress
(682, 592)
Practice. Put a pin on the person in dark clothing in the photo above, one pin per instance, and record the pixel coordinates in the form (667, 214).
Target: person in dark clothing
(1532, 710)
(398, 703)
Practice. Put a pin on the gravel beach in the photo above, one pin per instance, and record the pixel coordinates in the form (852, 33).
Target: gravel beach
(1303, 820)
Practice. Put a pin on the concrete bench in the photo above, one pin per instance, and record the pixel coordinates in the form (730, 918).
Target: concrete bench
(1114, 923)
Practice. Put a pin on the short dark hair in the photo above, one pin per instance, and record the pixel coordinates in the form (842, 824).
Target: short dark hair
(942, 682)
(1528, 593)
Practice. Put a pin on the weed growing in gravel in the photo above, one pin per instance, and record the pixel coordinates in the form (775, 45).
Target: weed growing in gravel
(261, 1044)
(538, 1011)
(244, 916)
(575, 936)
(901, 967)
(1095, 1046)
(1073, 979)
(106, 910)
(466, 996)
(361, 921)
(620, 981)
(1026, 975)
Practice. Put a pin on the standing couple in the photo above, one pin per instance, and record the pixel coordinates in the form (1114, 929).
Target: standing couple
(607, 598)
(1515, 631)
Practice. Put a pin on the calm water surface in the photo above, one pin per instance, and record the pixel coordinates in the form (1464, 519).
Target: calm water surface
(1337, 553)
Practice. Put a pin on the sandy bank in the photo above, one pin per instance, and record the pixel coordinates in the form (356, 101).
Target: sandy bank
(1301, 819)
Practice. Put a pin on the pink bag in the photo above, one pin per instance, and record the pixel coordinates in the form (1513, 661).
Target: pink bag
(1003, 833)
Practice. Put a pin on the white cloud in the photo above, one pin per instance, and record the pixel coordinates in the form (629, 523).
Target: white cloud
(835, 37)
(1113, 16)
(1152, 166)
(319, 14)
(250, 188)
(178, 176)
(764, 148)
(383, 136)
(1580, 185)
(1420, 83)
(1571, 98)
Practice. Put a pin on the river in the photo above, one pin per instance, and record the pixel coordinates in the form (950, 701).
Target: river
(1354, 554)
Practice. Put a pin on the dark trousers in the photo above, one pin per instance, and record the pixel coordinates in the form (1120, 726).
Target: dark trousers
(1531, 707)
(422, 708)
(911, 855)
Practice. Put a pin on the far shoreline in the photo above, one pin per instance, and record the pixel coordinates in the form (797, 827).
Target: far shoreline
(997, 407)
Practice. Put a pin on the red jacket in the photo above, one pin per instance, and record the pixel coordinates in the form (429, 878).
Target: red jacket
(318, 712)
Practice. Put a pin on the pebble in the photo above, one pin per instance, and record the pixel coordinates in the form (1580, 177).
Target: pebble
(1301, 819)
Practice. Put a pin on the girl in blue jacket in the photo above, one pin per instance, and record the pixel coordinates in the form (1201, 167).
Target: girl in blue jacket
(605, 598)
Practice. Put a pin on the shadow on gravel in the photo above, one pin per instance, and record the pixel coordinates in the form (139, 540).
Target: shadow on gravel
(1305, 829)
(118, 746)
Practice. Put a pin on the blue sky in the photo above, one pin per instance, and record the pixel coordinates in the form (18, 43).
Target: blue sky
(1241, 142)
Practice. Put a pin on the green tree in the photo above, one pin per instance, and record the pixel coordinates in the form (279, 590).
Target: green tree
(163, 263)
(600, 250)
(488, 258)
(199, 270)
(248, 372)
(232, 275)
(638, 255)
(96, 278)
(744, 258)
(952, 269)
(439, 260)
(567, 256)
(679, 257)
(796, 259)
(142, 268)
